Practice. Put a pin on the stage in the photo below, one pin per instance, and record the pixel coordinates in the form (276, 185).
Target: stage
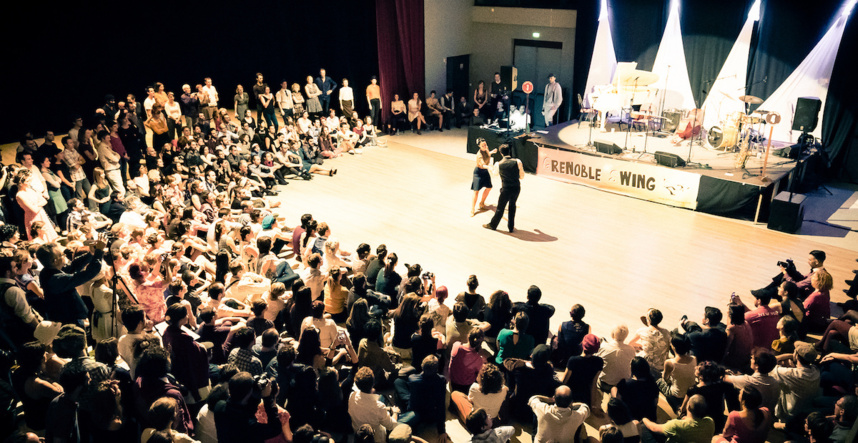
(709, 182)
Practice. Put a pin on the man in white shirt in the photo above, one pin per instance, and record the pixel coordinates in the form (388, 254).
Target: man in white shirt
(149, 102)
(245, 286)
(312, 275)
(211, 107)
(38, 181)
(557, 418)
(366, 409)
(284, 101)
(799, 385)
(327, 328)
(617, 356)
(762, 362)
(347, 99)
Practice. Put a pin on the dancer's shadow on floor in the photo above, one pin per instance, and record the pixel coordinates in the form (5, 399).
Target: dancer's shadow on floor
(531, 236)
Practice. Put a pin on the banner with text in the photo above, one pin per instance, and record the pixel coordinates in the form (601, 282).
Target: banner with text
(641, 180)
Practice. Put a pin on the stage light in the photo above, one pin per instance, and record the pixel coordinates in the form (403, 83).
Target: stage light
(847, 8)
(754, 13)
(603, 12)
(674, 5)
(536, 35)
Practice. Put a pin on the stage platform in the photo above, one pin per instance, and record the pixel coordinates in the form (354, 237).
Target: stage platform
(709, 182)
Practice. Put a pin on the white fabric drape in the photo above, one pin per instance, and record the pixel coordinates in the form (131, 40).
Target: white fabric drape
(604, 60)
(723, 98)
(673, 83)
(810, 79)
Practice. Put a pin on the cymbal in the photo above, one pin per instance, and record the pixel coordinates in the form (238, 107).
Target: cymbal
(750, 99)
(637, 77)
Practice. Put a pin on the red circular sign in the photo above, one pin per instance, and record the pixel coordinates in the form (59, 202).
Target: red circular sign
(527, 87)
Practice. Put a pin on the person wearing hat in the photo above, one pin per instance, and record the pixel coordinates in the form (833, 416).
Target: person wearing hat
(799, 384)
(582, 372)
(552, 99)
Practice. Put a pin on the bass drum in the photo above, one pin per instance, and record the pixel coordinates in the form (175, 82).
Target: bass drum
(723, 139)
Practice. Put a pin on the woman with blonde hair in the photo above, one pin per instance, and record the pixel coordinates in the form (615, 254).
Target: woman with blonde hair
(314, 106)
(817, 306)
(241, 101)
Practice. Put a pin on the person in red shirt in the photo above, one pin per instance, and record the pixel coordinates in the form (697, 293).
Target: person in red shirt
(763, 320)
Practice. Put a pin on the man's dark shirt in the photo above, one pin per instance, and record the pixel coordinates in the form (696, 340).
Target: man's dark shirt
(538, 314)
(189, 105)
(62, 302)
(428, 393)
(237, 423)
(708, 344)
(327, 85)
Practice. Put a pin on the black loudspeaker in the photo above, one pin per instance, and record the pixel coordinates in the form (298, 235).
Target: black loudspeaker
(607, 147)
(668, 159)
(671, 121)
(786, 214)
(806, 114)
(509, 77)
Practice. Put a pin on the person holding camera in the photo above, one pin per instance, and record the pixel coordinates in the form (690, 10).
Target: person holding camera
(236, 418)
(788, 272)
(59, 281)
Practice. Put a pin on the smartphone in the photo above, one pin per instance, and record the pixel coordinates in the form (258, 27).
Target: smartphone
(733, 297)
(341, 336)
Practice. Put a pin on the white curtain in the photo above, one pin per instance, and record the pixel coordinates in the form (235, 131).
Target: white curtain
(604, 60)
(673, 83)
(810, 79)
(723, 98)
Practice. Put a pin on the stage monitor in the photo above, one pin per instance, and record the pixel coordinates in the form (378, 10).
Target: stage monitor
(668, 159)
(607, 147)
(806, 114)
(509, 78)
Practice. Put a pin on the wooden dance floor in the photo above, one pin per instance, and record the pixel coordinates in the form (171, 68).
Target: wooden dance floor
(617, 256)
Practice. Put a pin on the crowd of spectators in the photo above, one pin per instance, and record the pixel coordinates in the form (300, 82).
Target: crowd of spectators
(151, 292)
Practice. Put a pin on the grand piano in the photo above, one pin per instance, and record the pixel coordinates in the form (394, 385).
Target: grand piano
(630, 88)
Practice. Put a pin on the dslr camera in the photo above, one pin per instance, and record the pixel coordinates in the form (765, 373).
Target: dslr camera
(428, 275)
(259, 383)
(788, 264)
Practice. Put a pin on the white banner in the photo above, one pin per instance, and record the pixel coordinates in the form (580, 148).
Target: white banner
(641, 180)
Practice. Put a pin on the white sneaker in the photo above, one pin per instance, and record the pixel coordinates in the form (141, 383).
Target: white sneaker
(358, 151)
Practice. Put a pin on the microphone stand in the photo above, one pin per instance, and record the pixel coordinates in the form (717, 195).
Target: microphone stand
(663, 96)
(629, 123)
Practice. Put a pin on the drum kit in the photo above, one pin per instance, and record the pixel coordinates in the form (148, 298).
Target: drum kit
(740, 127)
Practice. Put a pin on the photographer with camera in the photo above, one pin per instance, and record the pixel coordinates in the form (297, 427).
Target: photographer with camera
(236, 419)
(59, 280)
(788, 272)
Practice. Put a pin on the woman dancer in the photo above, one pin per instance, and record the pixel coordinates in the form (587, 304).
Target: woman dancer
(482, 179)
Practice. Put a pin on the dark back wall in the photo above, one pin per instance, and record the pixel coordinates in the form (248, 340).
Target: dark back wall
(61, 60)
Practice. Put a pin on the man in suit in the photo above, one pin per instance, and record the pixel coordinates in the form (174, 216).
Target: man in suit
(448, 104)
(552, 100)
(511, 173)
(327, 85)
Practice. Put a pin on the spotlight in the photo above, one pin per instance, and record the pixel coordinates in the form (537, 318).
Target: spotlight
(536, 35)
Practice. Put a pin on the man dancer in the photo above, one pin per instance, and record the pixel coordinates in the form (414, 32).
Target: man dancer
(511, 173)
(552, 100)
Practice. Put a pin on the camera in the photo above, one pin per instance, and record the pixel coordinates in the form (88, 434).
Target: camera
(260, 382)
(428, 275)
(787, 264)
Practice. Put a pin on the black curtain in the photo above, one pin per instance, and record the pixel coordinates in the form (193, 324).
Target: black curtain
(61, 60)
(786, 33)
